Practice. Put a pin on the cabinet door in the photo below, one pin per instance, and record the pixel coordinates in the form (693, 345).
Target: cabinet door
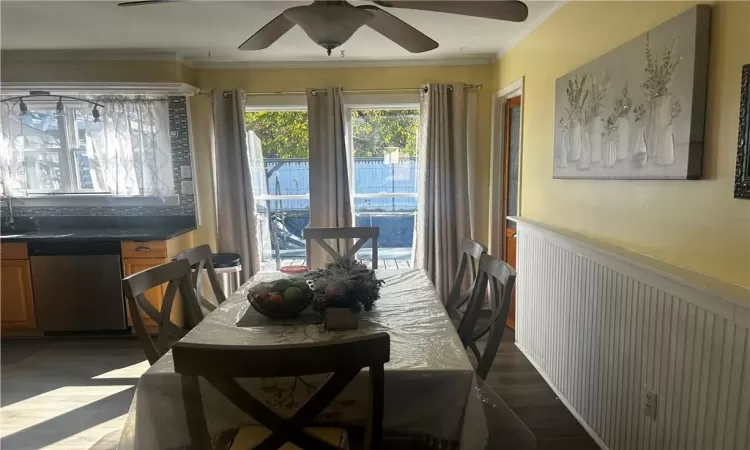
(154, 296)
(16, 295)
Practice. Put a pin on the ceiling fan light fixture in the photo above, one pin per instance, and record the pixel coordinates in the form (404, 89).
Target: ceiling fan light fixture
(328, 25)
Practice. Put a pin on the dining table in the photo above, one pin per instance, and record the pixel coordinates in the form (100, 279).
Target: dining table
(430, 386)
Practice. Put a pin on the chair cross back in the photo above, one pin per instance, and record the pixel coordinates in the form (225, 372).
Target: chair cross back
(501, 278)
(175, 274)
(200, 258)
(362, 234)
(471, 253)
(219, 364)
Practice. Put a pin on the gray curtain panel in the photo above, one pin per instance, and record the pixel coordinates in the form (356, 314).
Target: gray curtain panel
(331, 204)
(443, 212)
(235, 202)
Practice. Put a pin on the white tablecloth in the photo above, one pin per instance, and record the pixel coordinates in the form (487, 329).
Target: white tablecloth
(429, 381)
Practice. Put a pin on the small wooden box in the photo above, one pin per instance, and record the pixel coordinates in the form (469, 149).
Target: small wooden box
(340, 319)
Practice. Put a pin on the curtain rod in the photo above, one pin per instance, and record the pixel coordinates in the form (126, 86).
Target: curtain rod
(315, 91)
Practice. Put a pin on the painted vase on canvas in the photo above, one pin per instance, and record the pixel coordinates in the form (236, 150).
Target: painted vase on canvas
(665, 152)
(576, 139)
(623, 138)
(659, 118)
(640, 153)
(609, 156)
(562, 157)
(595, 140)
(584, 163)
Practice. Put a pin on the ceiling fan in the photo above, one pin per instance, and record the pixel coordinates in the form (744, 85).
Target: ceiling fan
(331, 23)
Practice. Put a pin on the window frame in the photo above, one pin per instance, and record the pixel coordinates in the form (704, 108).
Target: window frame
(260, 107)
(370, 102)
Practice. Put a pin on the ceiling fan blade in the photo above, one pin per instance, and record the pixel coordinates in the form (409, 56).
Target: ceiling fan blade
(269, 34)
(145, 2)
(399, 31)
(510, 10)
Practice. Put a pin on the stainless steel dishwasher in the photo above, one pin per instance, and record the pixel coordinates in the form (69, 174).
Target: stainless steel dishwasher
(77, 286)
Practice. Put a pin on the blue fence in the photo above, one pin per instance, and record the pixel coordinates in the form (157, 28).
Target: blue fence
(394, 216)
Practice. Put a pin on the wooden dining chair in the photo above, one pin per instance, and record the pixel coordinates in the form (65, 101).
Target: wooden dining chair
(500, 277)
(176, 275)
(220, 364)
(471, 253)
(362, 234)
(200, 258)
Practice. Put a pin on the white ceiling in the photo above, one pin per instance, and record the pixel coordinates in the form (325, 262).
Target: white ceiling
(211, 30)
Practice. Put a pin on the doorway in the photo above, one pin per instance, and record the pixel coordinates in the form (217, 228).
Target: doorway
(511, 150)
(506, 176)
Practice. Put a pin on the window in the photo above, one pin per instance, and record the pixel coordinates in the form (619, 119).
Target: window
(384, 149)
(128, 152)
(279, 156)
(383, 143)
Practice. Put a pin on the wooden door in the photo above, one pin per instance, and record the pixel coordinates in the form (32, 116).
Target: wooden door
(155, 296)
(512, 154)
(17, 309)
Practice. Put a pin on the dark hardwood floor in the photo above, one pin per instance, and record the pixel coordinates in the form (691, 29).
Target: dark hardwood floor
(518, 383)
(68, 393)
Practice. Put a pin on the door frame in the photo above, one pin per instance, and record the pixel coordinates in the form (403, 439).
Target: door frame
(497, 219)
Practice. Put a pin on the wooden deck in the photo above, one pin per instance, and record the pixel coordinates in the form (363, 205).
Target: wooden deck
(270, 266)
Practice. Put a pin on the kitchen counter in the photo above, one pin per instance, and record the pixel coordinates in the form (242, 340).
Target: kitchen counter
(97, 234)
(103, 229)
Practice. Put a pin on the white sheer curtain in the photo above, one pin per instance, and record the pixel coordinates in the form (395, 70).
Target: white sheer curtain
(443, 211)
(129, 150)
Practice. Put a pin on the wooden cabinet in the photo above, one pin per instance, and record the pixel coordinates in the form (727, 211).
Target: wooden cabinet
(510, 258)
(131, 266)
(16, 296)
(139, 256)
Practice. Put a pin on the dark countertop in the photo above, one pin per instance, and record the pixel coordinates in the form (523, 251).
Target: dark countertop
(81, 228)
(97, 234)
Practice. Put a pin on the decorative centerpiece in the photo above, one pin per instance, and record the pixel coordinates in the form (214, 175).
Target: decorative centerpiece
(280, 299)
(341, 290)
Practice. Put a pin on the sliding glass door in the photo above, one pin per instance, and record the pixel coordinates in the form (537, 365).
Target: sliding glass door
(382, 141)
(384, 156)
(279, 154)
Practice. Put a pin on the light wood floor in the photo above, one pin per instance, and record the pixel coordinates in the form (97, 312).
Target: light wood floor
(68, 393)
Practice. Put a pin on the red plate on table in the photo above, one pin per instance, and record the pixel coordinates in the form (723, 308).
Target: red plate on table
(294, 270)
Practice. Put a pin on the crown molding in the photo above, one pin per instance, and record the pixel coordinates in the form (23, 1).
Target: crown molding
(318, 64)
(530, 28)
(40, 56)
(88, 88)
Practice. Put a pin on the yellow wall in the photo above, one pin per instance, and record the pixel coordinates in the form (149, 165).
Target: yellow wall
(694, 224)
(298, 79)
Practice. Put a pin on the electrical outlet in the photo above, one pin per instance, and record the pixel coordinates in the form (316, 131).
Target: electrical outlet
(649, 399)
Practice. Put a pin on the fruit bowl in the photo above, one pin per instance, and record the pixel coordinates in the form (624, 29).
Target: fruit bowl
(281, 299)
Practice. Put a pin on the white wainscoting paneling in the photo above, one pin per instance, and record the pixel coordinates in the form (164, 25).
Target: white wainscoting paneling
(600, 326)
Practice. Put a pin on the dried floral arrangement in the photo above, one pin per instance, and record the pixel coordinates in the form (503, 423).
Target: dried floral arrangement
(577, 96)
(596, 100)
(621, 110)
(659, 69)
(345, 283)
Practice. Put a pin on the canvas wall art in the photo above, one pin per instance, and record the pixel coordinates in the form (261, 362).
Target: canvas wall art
(638, 111)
